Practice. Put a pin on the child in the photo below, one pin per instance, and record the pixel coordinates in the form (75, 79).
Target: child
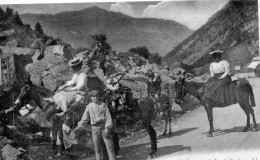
(98, 115)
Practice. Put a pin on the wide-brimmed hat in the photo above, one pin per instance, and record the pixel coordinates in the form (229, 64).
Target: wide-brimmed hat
(94, 93)
(216, 52)
(112, 83)
(150, 74)
(75, 61)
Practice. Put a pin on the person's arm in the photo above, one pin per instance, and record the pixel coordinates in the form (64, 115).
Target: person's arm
(93, 55)
(109, 123)
(69, 83)
(211, 70)
(227, 69)
(82, 78)
(85, 118)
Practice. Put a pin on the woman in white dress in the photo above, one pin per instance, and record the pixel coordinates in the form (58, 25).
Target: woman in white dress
(219, 87)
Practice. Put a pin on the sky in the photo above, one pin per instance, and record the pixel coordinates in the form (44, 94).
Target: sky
(192, 13)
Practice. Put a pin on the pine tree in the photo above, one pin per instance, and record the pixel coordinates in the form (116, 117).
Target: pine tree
(2, 14)
(8, 13)
(18, 19)
(38, 28)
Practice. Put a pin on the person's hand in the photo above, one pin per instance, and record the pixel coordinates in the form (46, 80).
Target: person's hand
(108, 132)
(156, 96)
(9, 110)
(66, 128)
(60, 114)
(60, 88)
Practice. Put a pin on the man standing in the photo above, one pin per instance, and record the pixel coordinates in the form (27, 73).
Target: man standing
(98, 115)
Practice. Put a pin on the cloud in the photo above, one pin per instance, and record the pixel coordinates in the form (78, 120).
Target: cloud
(124, 8)
(193, 14)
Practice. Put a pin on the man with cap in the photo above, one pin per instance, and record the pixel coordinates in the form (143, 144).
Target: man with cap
(154, 89)
(219, 87)
(76, 84)
(98, 116)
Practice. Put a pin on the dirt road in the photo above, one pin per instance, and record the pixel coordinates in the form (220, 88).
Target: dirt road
(189, 140)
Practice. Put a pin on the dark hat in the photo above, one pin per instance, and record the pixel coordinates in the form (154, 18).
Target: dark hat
(93, 93)
(75, 61)
(150, 74)
(216, 52)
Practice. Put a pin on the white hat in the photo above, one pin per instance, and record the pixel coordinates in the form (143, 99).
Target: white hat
(112, 83)
(75, 61)
(217, 51)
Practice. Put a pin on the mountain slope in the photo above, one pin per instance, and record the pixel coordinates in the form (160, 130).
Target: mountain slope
(123, 32)
(234, 29)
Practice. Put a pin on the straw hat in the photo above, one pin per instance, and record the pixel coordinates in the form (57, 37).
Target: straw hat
(75, 61)
(216, 52)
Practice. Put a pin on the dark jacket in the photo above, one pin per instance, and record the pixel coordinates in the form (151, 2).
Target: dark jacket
(154, 87)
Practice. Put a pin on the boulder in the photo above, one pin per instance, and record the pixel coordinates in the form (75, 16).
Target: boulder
(62, 50)
(4, 141)
(51, 71)
(13, 76)
(37, 56)
(9, 153)
(12, 43)
(7, 33)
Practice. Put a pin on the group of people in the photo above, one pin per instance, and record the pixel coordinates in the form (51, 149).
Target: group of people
(97, 114)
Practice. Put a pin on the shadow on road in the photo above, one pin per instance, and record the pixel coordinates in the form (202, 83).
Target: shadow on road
(176, 133)
(141, 151)
(219, 132)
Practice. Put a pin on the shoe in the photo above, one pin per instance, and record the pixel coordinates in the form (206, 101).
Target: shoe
(50, 99)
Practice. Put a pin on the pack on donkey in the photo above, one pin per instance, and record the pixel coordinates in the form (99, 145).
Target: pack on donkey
(117, 97)
(220, 91)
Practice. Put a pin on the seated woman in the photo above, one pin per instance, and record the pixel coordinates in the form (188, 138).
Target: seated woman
(219, 88)
(76, 86)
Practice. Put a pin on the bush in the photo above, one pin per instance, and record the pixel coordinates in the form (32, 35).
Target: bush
(141, 51)
(155, 58)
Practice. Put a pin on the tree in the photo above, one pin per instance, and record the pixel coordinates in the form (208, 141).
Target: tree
(17, 19)
(38, 28)
(2, 14)
(155, 58)
(141, 51)
(8, 13)
(102, 38)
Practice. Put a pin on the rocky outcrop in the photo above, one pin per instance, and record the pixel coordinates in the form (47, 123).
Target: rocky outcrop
(62, 50)
(49, 72)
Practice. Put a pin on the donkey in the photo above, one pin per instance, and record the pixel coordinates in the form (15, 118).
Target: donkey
(246, 101)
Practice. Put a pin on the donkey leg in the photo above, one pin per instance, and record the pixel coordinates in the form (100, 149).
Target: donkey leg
(116, 143)
(166, 124)
(60, 132)
(247, 112)
(152, 135)
(170, 121)
(54, 140)
(253, 116)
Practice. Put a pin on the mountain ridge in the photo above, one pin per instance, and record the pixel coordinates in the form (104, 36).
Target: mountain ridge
(124, 32)
(233, 29)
